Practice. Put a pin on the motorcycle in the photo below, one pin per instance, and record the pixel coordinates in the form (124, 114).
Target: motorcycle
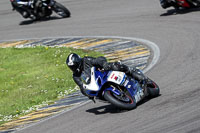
(180, 4)
(117, 88)
(40, 9)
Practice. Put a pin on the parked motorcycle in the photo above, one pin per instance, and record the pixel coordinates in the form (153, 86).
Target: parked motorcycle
(180, 4)
(41, 9)
(119, 89)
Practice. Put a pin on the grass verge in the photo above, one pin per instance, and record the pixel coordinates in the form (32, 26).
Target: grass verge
(33, 76)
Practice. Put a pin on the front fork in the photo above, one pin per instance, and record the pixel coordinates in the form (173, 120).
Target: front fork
(116, 91)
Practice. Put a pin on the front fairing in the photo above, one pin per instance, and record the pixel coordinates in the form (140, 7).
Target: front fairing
(97, 80)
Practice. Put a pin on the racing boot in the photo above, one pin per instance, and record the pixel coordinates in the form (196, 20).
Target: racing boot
(25, 14)
(141, 78)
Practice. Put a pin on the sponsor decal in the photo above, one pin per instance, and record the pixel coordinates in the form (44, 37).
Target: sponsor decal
(112, 75)
(116, 78)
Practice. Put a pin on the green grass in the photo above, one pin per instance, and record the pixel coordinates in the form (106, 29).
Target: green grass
(33, 76)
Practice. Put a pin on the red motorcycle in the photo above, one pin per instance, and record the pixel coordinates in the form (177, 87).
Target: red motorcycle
(180, 4)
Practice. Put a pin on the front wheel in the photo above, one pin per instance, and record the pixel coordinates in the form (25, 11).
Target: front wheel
(123, 101)
(165, 4)
(61, 10)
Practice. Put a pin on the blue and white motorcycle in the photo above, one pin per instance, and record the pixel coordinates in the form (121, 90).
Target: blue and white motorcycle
(119, 89)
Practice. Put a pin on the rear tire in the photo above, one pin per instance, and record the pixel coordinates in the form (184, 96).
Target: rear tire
(153, 89)
(128, 102)
(61, 10)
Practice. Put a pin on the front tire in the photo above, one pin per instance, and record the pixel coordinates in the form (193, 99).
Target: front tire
(123, 102)
(61, 10)
(164, 4)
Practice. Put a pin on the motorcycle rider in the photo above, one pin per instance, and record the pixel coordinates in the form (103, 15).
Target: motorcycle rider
(81, 68)
(22, 5)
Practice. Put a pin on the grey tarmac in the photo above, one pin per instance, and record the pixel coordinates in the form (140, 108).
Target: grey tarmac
(176, 72)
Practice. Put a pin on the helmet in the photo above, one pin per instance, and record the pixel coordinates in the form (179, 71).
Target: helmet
(74, 62)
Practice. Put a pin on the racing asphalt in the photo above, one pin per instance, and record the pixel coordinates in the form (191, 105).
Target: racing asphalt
(177, 71)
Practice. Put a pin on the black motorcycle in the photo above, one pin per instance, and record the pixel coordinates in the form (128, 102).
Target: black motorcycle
(41, 9)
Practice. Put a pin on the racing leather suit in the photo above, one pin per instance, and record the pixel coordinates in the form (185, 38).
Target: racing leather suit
(102, 64)
(22, 5)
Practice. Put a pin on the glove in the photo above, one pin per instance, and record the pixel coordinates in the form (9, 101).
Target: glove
(107, 66)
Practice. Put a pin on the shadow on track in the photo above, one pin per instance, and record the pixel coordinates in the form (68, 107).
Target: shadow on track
(27, 22)
(182, 11)
(105, 109)
(113, 109)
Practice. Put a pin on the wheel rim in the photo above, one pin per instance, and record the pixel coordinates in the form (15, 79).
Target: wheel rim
(123, 97)
(61, 12)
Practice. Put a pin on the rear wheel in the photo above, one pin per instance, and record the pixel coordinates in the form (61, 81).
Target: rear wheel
(123, 101)
(61, 10)
(153, 89)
